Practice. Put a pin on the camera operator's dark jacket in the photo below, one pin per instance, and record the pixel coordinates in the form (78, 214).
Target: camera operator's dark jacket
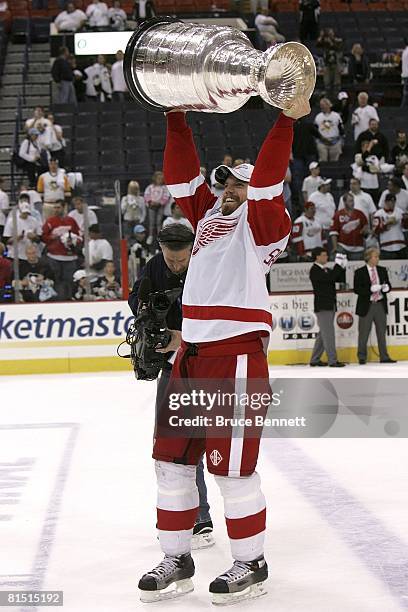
(161, 279)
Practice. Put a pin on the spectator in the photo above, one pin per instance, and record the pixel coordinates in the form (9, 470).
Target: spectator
(332, 57)
(80, 78)
(70, 20)
(25, 197)
(304, 151)
(61, 235)
(362, 114)
(6, 274)
(380, 147)
(34, 198)
(404, 74)
(367, 168)
(107, 286)
(156, 197)
(307, 233)
(98, 15)
(117, 17)
(28, 231)
(36, 278)
(119, 86)
(311, 183)
(133, 208)
(359, 65)
(389, 225)
(395, 187)
(31, 156)
(267, 27)
(54, 186)
(37, 119)
(55, 140)
(100, 250)
(348, 230)
(3, 7)
(404, 176)
(342, 106)
(78, 214)
(309, 12)
(329, 132)
(325, 206)
(98, 83)
(287, 192)
(79, 286)
(362, 200)
(143, 9)
(139, 251)
(399, 152)
(216, 188)
(177, 216)
(4, 205)
(63, 76)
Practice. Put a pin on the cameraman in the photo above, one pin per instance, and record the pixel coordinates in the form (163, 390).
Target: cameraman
(167, 270)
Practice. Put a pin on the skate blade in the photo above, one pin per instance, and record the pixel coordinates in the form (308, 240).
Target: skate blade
(178, 589)
(202, 540)
(227, 599)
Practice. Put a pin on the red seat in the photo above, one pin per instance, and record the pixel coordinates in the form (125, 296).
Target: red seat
(185, 6)
(165, 6)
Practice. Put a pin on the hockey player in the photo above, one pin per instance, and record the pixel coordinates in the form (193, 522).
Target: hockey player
(307, 233)
(226, 318)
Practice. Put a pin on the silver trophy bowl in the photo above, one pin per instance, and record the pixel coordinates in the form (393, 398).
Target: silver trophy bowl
(170, 64)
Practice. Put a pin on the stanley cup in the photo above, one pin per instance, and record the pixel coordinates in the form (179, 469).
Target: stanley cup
(215, 69)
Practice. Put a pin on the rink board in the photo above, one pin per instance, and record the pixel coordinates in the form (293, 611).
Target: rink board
(83, 337)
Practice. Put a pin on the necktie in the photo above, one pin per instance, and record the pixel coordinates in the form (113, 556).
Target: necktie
(374, 281)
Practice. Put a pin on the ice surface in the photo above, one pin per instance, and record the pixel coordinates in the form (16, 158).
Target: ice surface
(77, 503)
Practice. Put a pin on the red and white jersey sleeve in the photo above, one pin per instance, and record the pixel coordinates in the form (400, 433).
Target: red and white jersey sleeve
(182, 170)
(225, 291)
(268, 217)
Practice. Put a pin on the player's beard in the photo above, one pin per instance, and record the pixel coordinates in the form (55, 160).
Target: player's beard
(227, 208)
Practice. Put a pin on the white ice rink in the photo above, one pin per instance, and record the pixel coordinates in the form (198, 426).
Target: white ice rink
(77, 503)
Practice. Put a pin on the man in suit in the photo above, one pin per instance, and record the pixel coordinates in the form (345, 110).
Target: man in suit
(371, 283)
(324, 281)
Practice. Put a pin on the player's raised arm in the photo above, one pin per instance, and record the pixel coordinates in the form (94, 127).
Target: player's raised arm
(182, 170)
(269, 221)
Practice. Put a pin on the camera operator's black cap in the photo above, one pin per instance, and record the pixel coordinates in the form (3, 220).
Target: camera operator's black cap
(176, 236)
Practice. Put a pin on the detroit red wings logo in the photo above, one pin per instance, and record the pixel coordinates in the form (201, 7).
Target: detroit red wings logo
(212, 230)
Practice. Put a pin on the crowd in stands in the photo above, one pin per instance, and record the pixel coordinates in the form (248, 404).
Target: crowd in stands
(99, 82)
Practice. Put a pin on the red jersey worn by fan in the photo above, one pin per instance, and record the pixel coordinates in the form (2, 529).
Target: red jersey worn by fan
(347, 226)
(226, 312)
(53, 230)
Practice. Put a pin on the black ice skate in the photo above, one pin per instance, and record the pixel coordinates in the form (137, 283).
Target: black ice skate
(202, 536)
(245, 580)
(170, 579)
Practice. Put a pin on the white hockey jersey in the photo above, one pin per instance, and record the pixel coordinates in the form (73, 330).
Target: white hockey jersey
(225, 292)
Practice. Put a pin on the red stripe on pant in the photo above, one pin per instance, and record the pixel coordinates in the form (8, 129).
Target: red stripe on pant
(246, 527)
(176, 520)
